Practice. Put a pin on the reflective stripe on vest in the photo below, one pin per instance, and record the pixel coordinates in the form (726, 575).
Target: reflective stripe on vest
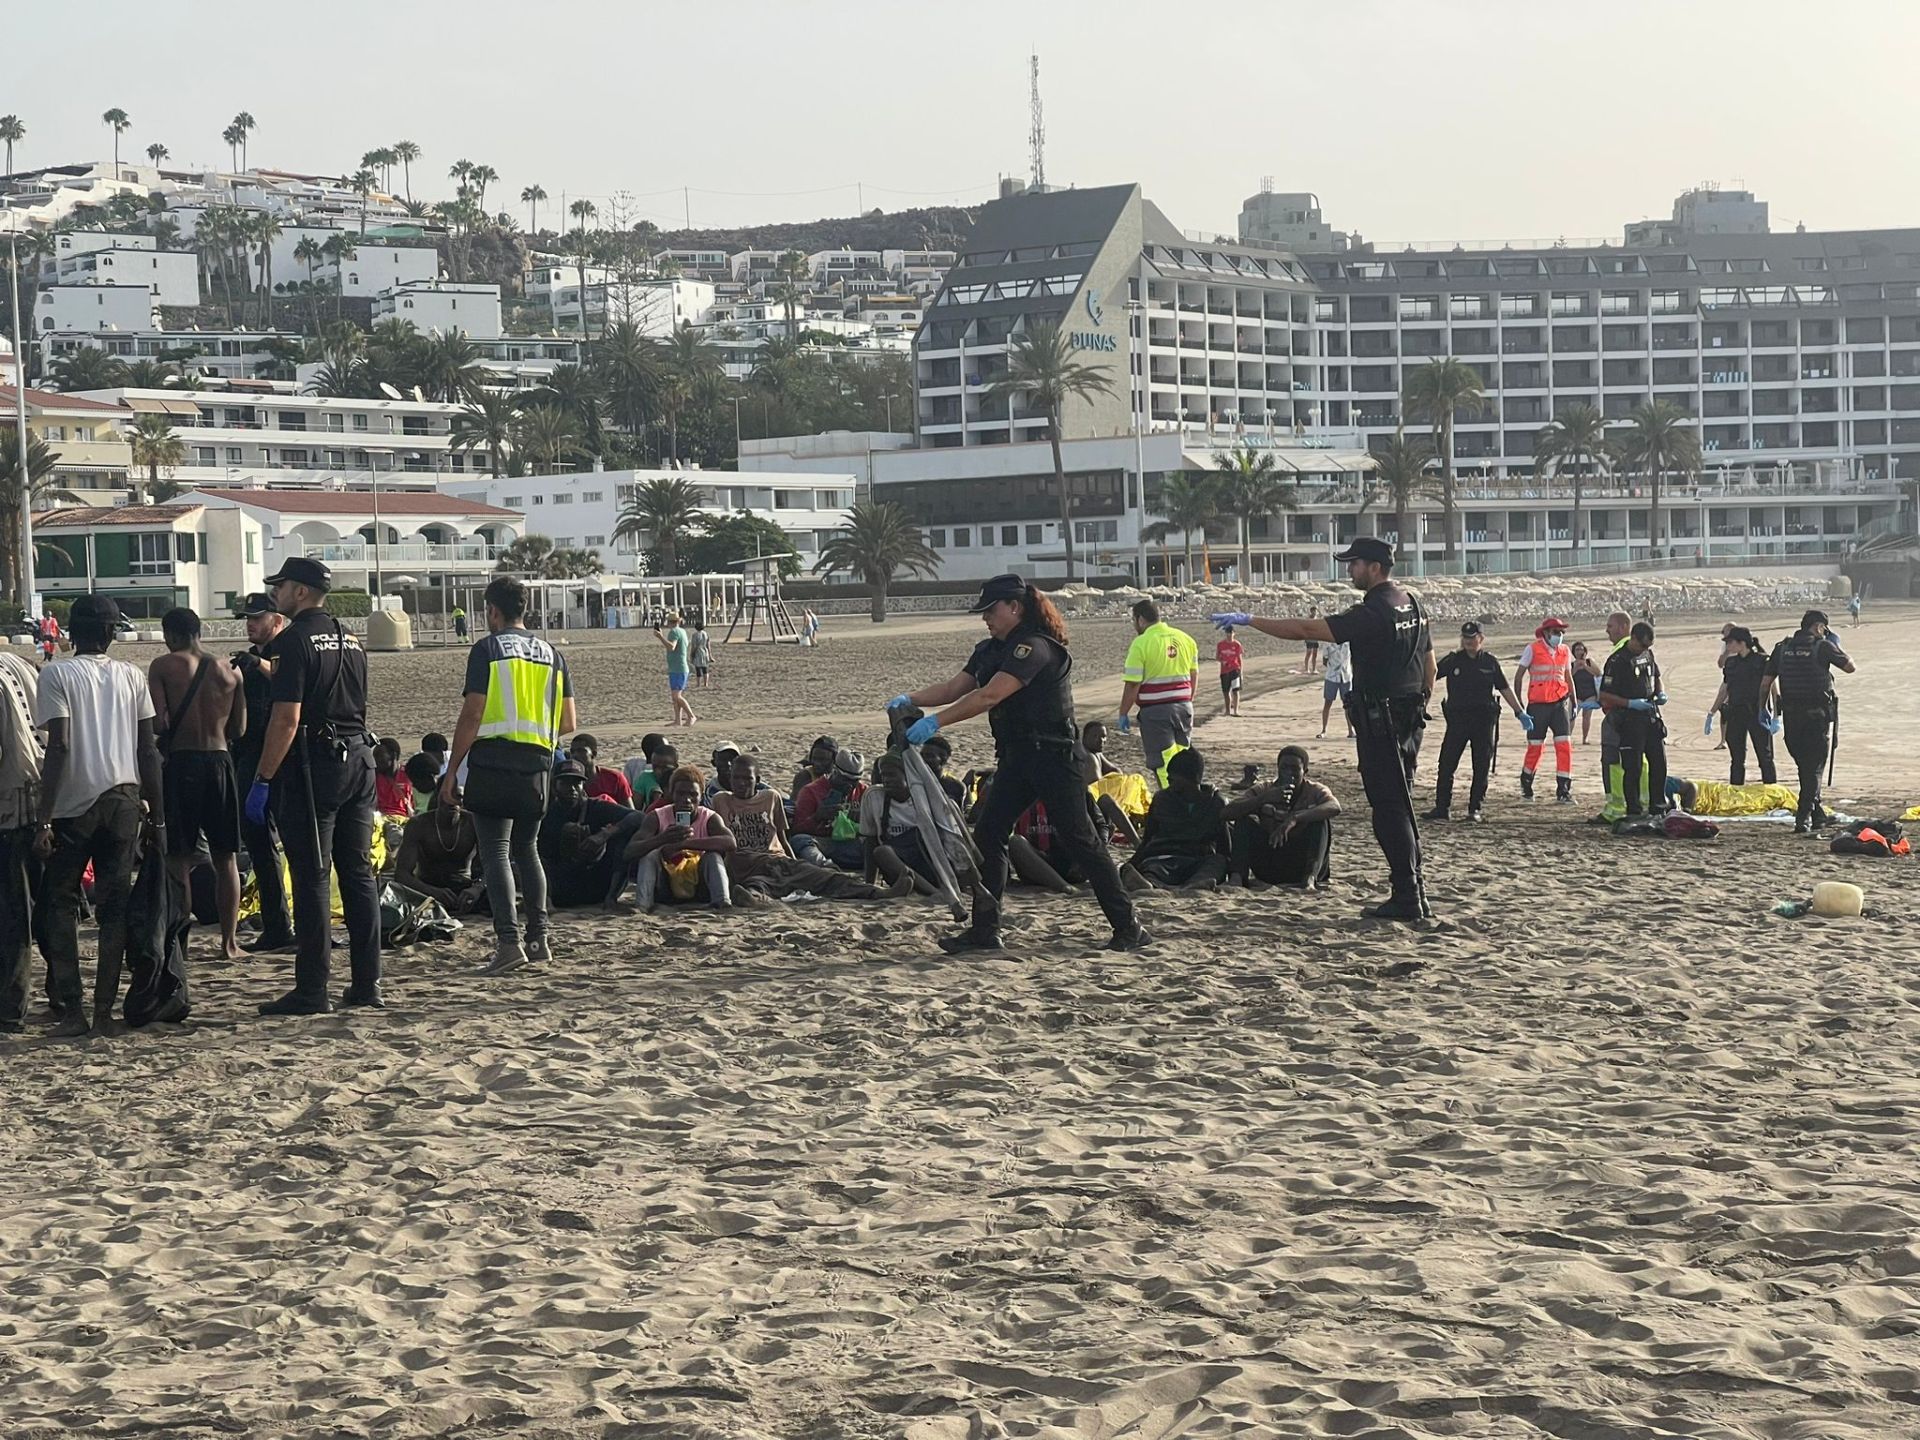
(1549, 673)
(523, 702)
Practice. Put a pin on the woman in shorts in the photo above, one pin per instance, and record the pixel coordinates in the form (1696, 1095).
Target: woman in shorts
(1586, 687)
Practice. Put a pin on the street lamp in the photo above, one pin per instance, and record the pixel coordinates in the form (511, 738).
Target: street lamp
(373, 469)
(889, 399)
(736, 432)
(1136, 401)
(29, 582)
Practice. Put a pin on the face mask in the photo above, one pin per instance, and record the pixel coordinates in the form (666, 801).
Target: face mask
(1553, 642)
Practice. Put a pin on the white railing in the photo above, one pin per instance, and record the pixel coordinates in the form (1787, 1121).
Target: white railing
(394, 553)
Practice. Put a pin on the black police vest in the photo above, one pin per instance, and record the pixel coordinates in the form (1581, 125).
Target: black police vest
(1803, 676)
(1041, 711)
(1396, 666)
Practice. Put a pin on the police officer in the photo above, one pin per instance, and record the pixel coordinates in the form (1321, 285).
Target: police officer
(1019, 677)
(262, 841)
(1475, 687)
(1393, 675)
(317, 768)
(1801, 669)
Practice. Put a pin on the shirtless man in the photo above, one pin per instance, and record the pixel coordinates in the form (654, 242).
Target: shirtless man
(437, 859)
(195, 724)
(762, 862)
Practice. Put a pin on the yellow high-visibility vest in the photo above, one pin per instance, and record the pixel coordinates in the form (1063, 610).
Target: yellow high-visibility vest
(523, 692)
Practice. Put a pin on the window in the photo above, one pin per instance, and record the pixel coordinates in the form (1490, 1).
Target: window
(790, 499)
(151, 554)
(937, 539)
(594, 541)
(563, 499)
(1009, 535)
(204, 455)
(359, 422)
(251, 557)
(182, 546)
(539, 499)
(1033, 534)
(962, 537)
(233, 454)
(592, 497)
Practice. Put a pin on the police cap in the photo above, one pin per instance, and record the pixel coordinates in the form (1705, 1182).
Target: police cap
(1000, 587)
(1367, 547)
(1471, 627)
(303, 570)
(257, 603)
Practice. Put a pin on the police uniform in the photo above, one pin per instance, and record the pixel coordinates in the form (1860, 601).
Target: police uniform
(1642, 733)
(1473, 720)
(262, 841)
(1802, 666)
(1038, 757)
(1388, 642)
(323, 796)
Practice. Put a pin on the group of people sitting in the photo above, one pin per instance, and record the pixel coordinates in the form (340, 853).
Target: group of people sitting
(662, 831)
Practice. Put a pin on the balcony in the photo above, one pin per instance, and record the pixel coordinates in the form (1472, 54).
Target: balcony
(397, 554)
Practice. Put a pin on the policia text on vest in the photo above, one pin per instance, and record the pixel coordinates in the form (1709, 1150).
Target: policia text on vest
(1800, 671)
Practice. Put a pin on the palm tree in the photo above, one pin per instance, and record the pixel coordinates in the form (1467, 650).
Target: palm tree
(628, 366)
(243, 126)
(262, 230)
(688, 355)
(157, 152)
(147, 374)
(386, 159)
(675, 395)
(459, 171)
(338, 248)
(87, 368)
(451, 364)
(233, 135)
(487, 420)
(583, 211)
(156, 447)
(1189, 503)
(879, 541)
(165, 231)
(578, 392)
(406, 152)
(545, 435)
(480, 177)
(1250, 488)
(11, 132)
(40, 464)
(116, 119)
(364, 180)
(789, 270)
(309, 254)
(1403, 472)
(1576, 442)
(1044, 368)
(662, 513)
(531, 197)
(1436, 393)
(1662, 440)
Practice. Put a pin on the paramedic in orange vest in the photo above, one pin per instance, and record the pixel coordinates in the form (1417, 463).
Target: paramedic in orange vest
(1544, 680)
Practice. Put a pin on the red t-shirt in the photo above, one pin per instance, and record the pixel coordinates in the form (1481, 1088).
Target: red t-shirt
(1228, 652)
(609, 784)
(393, 794)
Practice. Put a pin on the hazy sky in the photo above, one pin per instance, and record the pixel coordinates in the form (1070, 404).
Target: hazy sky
(1422, 120)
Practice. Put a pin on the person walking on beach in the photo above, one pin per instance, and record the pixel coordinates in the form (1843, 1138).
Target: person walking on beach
(19, 810)
(517, 705)
(1801, 670)
(702, 655)
(1475, 688)
(1162, 668)
(459, 623)
(100, 796)
(1229, 654)
(1544, 677)
(1336, 683)
(200, 707)
(1393, 675)
(1019, 677)
(674, 641)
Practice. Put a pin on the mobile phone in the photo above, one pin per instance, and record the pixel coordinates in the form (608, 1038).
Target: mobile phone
(683, 817)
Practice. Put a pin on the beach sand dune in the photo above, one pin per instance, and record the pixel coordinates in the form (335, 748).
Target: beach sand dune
(1608, 1151)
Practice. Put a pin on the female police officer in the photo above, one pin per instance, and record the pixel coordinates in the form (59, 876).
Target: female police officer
(1393, 674)
(1018, 678)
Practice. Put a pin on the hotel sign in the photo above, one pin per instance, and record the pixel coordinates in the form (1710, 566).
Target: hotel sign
(1093, 339)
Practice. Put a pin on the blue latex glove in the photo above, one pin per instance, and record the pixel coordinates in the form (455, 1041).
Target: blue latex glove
(1639, 705)
(900, 702)
(1125, 724)
(1231, 617)
(257, 803)
(923, 729)
(1709, 727)
(1772, 723)
(1526, 721)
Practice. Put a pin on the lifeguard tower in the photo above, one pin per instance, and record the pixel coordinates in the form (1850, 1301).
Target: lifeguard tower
(761, 605)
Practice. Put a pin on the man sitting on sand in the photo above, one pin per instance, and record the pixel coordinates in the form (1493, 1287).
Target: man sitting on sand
(892, 840)
(437, 859)
(651, 787)
(825, 814)
(761, 863)
(672, 835)
(1185, 844)
(1283, 832)
(583, 843)
(603, 782)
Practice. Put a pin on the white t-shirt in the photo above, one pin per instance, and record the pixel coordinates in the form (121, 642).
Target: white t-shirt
(103, 702)
(1335, 665)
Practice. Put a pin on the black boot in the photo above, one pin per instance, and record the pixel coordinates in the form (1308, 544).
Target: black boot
(1526, 784)
(294, 1003)
(1438, 812)
(1564, 789)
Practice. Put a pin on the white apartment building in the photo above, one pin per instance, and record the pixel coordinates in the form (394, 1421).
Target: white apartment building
(150, 558)
(216, 354)
(372, 270)
(582, 509)
(171, 276)
(705, 264)
(309, 440)
(95, 308)
(444, 306)
(659, 305)
(827, 266)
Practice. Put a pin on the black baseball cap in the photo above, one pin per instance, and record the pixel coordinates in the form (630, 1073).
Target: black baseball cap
(1471, 627)
(1000, 587)
(303, 570)
(569, 770)
(257, 603)
(1367, 547)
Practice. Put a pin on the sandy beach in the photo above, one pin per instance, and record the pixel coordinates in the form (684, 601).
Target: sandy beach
(1608, 1152)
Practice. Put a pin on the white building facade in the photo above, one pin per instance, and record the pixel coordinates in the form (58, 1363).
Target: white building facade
(97, 308)
(443, 306)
